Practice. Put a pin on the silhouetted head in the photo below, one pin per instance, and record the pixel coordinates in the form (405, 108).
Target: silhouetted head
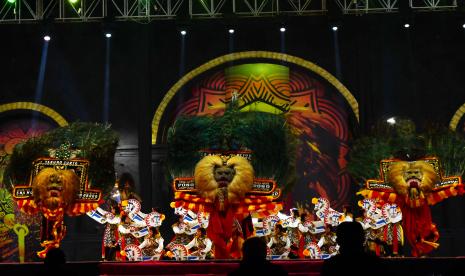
(295, 212)
(350, 236)
(279, 229)
(125, 218)
(201, 232)
(126, 181)
(114, 209)
(347, 208)
(54, 257)
(254, 250)
(153, 231)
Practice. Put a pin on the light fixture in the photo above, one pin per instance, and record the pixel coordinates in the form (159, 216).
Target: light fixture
(463, 26)
(335, 28)
(107, 35)
(73, 1)
(282, 29)
(406, 25)
(391, 120)
(231, 31)
(47, 37)
(183, 32)
(11, 1)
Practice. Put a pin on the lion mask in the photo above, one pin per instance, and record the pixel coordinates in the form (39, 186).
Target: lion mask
(214, 172)
(413, 179)
(55, 188)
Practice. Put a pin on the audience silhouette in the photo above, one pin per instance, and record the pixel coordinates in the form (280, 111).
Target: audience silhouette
(54, 263)
(352, 258)
(254, 260)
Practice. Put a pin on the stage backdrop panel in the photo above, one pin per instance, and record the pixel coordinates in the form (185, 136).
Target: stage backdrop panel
(317, 111)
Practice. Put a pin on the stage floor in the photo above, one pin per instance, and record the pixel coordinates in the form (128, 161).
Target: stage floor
(201, 268)
(398, 266)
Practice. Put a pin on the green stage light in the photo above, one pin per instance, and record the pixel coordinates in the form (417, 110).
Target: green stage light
(73, 1)
(11, 1)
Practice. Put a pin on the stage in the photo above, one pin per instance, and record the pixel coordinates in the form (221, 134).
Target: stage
(397, 266)
(131, 134)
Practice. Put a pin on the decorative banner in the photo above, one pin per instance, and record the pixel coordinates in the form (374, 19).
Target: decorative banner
(260, 186)
(263, 186)
(184, 184)
(247, 154)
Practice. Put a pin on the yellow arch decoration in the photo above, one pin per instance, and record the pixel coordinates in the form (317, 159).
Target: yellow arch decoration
(244, 55)
(35, 107)
(456, 118)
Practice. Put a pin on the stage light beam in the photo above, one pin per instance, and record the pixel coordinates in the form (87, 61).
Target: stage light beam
(73, 1)
(11, 1)
(41, 77)
(106, 85)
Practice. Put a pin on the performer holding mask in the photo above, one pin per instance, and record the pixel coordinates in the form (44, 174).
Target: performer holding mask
(280, 243)
(111, 245)
(201, 245)
(152, 246)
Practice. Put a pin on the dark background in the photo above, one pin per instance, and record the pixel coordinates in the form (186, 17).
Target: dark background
(391, 71)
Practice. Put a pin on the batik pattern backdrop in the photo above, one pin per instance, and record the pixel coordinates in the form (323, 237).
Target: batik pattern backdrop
(17, 230)
(318, 112)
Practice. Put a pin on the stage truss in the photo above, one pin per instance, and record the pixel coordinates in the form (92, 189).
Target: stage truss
(23, 11)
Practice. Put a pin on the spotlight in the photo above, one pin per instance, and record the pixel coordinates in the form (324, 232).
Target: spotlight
(11, 1)
(406, 25)
(335, 28)
(183, 32)
(73, 1)
(231, 31)
(47, 38)
(282, 29)
(107, 35)
(391, 120)
(463, 26)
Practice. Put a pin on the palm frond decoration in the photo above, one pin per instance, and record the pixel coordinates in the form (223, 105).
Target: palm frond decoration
(449, 147)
